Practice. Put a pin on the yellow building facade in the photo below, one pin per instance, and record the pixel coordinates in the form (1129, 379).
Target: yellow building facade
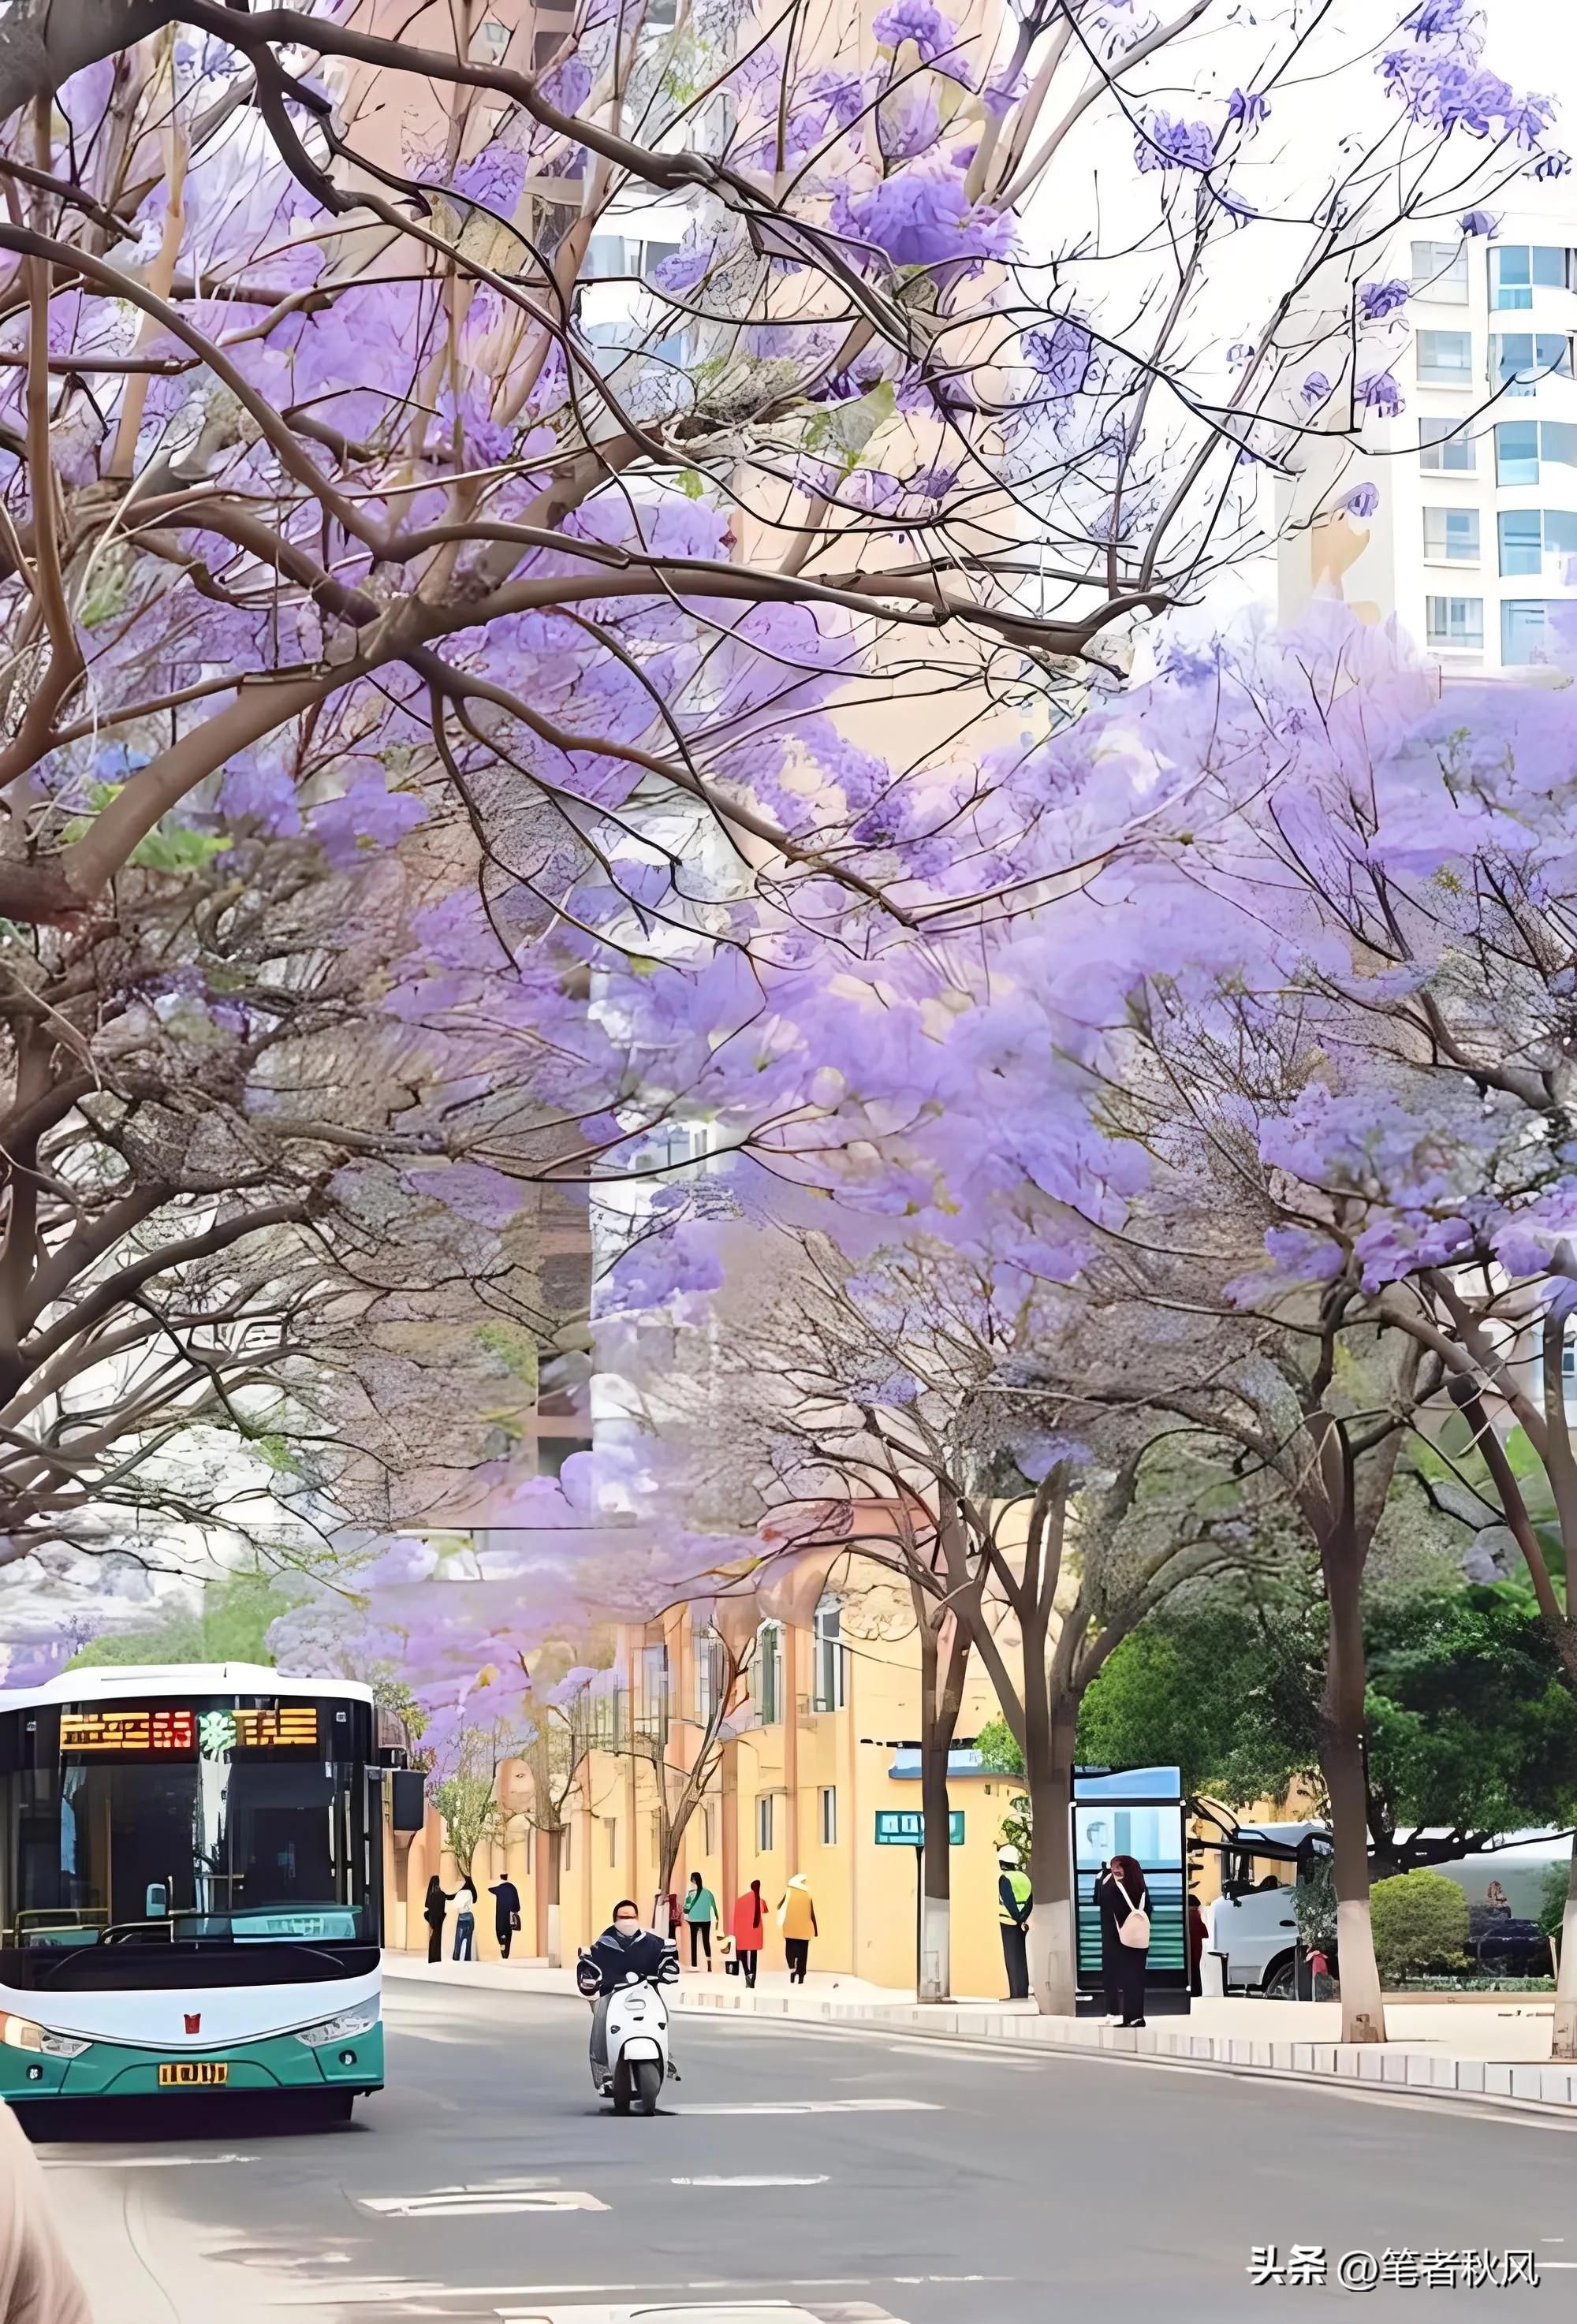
(831, 1748)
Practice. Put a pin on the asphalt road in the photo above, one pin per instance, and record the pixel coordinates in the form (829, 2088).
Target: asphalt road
(930, 2186)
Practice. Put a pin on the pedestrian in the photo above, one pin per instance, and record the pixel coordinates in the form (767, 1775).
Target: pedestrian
(1014, 1903)
(673, 1918)
(623, 1947)
(1124, 1905)
(37, 2284)
(749, 1918)
(464, 1907)
(797, 1919)
(700, 1912)
(432, 1913)
(1198, 1939)
(506, 1913)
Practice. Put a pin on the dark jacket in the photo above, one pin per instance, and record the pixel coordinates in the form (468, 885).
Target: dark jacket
(1113, 1912)
(609, 1960)
(506, 1904)
(433, 1908)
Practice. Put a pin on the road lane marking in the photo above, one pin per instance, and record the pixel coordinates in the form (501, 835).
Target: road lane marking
(734, 2311)
(143, 2161)
(820, 2181)
(469, 2203)
(819, 2106)
(392, 2291)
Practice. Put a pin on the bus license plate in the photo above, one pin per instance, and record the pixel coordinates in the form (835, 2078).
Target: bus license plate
(193, 2074)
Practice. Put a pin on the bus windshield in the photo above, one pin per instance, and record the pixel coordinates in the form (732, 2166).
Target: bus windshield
(234, 1840)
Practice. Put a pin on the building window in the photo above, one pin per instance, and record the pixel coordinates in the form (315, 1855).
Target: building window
(831, 1691)
(654, 1690)
(531, 1850)
(566, 1847)
(1528, 537)
(1439, 271)
(613, 1823)
(709, 1677)
(1518, 269)
(709, 1829)
(1451, 536)
(769, 1686)
(828, 1798)
(1456, 622)
(1444, 450)
(1522, 446)
(1445, 358)
(764, 1823)
(1524, 630)
(1518, 360)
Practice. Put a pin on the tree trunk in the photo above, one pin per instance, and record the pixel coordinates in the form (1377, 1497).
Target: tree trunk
(1048, 1770)
(941, 1697)
(553, 1849)
(1565, 2044)
(1363, 2017)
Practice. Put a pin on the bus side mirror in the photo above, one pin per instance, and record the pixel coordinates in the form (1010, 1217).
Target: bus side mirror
(155, 1901)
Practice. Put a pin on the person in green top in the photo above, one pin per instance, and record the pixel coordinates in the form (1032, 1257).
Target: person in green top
(700, 1912)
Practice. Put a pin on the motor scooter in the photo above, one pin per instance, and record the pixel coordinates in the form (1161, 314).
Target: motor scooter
(635, 2062)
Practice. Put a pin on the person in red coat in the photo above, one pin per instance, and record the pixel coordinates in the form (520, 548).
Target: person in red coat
(749, 1929)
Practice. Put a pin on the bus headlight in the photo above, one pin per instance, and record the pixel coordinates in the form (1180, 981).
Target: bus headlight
(22, 2033)
(338, 2029)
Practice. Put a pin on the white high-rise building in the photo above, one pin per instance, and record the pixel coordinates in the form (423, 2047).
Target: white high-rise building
(1473, 544)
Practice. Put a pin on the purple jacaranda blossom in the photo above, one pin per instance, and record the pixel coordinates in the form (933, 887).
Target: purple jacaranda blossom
(922, 217)
(1362, 499)
(1437, 18)
(1379, 392)
(568, 84)
(365, 816)
(1248, 106)
(261, 791)
(1377, 299)
(838, 89)
(919, 20)
(1315, 388)
(1169, 143)
(683, 267)
(1553, 165)
(1062, 356)
(1479, 224)
(1455, 92)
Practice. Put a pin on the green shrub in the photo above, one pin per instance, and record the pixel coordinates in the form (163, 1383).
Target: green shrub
(1420, 1922)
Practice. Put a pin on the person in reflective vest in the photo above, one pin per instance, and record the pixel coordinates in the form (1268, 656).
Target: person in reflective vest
(1013, 1908)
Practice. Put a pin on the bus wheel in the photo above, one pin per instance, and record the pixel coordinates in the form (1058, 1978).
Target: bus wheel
(332, 2106)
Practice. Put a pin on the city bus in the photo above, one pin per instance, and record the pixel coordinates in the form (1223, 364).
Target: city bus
(190, 1886)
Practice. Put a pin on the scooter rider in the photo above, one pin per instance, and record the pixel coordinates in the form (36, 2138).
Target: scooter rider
(622, 1947)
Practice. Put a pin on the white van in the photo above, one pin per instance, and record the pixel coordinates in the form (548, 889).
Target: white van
(1254, 1925)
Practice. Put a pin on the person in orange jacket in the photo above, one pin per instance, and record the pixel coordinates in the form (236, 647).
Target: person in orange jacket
(749, 1931)
(797, 1919)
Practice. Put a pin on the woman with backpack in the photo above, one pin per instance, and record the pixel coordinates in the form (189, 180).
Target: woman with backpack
(1124, 1903)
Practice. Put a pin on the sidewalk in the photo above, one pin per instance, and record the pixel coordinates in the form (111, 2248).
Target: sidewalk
(1489, 2050)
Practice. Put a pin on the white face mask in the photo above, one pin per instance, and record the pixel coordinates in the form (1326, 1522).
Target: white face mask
(626, 1926)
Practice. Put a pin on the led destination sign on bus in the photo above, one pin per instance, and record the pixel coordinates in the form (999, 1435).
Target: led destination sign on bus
(181, 1731)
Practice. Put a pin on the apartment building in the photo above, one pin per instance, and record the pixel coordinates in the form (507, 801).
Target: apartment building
(1472, 545)
(829, 1759)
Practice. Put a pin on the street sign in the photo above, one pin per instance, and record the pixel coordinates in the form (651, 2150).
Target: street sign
(906, 1828)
